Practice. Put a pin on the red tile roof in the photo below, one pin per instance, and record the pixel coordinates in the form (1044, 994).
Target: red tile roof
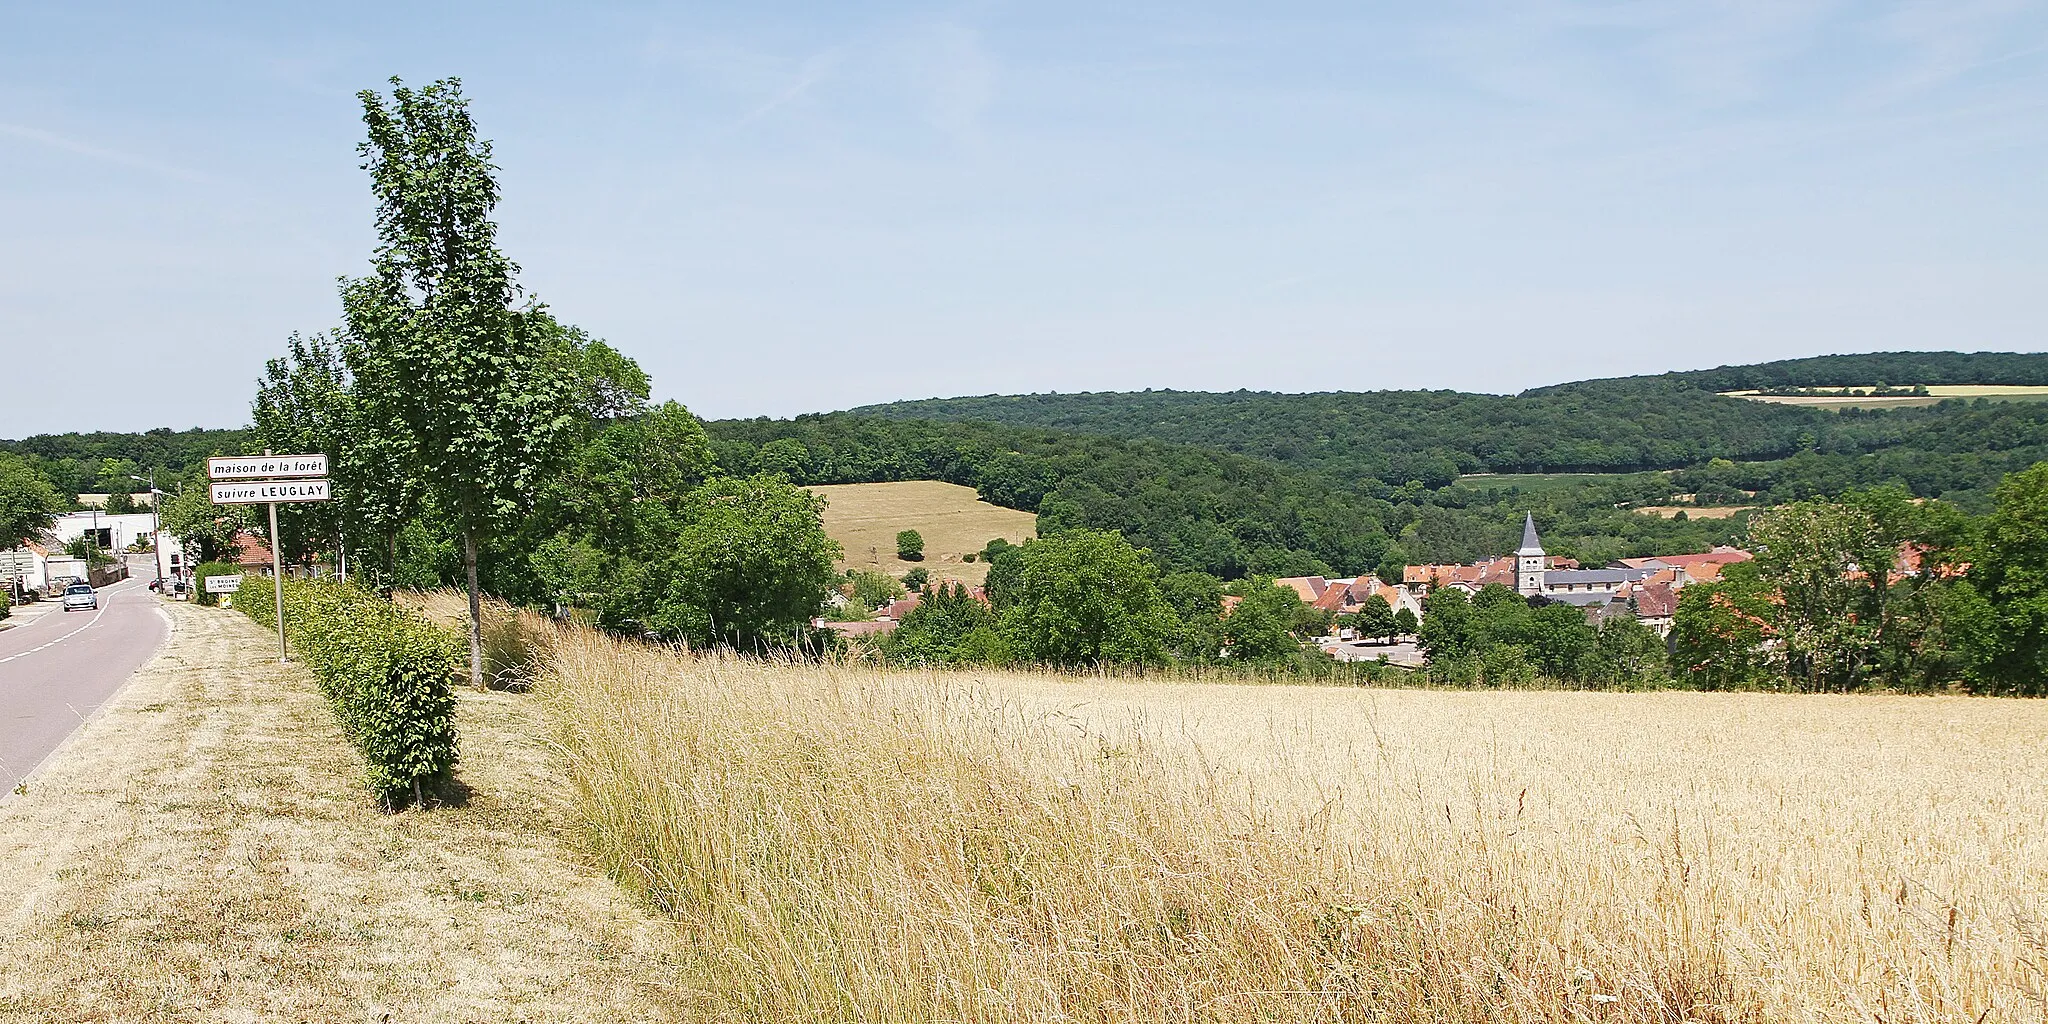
(1309, 587)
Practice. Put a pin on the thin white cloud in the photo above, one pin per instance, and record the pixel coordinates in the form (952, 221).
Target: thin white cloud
(103, 154)
(814, 69)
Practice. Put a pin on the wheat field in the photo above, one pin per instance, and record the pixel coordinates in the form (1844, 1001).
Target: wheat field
(842, 842)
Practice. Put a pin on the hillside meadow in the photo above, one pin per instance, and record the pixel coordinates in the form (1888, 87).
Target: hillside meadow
(954, 521)
(845, 842)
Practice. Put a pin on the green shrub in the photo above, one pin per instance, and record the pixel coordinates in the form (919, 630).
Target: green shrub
(910, 546)
(205, 569)
(385, 672)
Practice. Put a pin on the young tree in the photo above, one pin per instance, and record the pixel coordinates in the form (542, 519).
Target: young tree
(916, 578)
(1083, 597)
(910, 546)
(484, 387)
(1405, 622)
(1374, 619)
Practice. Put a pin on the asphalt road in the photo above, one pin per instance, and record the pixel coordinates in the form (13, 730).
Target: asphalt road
(56, 670)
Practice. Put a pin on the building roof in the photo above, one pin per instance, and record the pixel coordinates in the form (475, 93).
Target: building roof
(250, 550)
(1530, 545)
(1309, 587)
(1582, 577)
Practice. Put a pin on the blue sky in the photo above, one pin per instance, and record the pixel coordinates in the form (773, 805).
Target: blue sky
(781, 208)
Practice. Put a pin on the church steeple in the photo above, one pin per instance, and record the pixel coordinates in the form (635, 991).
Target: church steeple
(1529, 559)
(1530, 545)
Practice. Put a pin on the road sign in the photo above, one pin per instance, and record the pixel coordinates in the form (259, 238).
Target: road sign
(257, 492)
(223, 584)
(17, 563)
(259, 467)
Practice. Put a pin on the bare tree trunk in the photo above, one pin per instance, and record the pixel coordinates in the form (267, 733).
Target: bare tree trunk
(476, 610)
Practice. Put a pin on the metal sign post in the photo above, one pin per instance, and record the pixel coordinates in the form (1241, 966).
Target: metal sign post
(268, 479)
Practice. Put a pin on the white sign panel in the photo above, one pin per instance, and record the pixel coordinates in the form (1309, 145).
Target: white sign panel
(256, 467)
(223, 584)
(260, 491)
(17, 563)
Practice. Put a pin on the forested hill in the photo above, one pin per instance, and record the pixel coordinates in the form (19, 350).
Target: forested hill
(101, 462)
(1668, 421)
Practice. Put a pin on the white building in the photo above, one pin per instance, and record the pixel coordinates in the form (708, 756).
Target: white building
(116, 533)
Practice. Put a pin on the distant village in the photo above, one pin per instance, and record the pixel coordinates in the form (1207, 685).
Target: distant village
(1643, 588)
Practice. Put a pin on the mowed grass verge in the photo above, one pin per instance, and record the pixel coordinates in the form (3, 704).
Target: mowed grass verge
(205, 851)
(865, 518)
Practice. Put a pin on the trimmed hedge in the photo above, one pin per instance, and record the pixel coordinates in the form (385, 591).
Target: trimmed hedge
(385, 671)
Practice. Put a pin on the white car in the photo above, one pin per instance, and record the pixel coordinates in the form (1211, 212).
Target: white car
(80, 595)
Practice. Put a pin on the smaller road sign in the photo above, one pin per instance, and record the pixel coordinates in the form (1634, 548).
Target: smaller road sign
(256, 467)
(223, 584)
(260, 491)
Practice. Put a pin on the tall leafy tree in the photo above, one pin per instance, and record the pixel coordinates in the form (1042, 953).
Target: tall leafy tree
(1083, 597)
(479, 385)
(749, 568)
(1261, 627)
(1721, 633)
(2011, 571)
(28, 504)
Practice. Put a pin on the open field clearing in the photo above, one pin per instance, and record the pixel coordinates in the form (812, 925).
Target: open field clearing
(205, 851)
(865, 518)
(1935, 394)
(1544, 481)
(1696, 511)
(846, 843)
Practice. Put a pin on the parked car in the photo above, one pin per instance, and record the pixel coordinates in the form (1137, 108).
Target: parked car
(81, 595)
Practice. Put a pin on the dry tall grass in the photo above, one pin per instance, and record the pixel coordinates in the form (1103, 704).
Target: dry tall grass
(514, 638)
(846, 843)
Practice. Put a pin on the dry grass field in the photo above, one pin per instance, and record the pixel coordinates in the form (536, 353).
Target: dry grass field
(842, 843)
(865, 518)
(1695, 511)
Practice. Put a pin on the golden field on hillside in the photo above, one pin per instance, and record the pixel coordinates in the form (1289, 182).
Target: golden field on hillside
(1935, 393)
(849, 843)
(865, 518)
